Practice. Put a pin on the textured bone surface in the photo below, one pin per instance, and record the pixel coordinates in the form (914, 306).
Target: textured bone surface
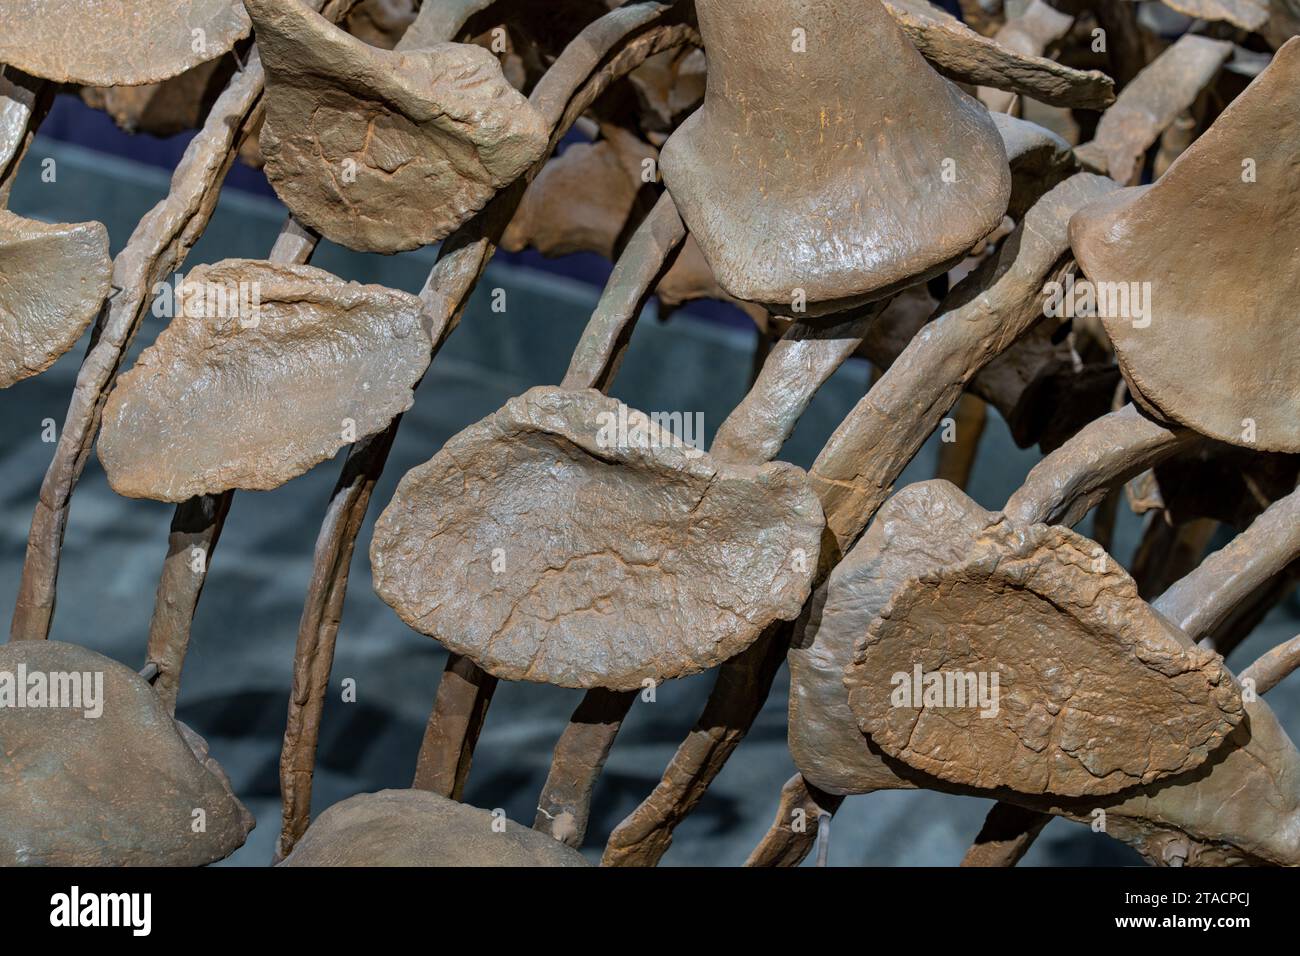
(117, 44)
(240, 395)
(924, 526)
(1216, 352)
(383, 150)
(774, 179)
(1161, 93)
(419, 828)
(963, 55)
(53, 279)
(583, 199)
(165, 108)
(1064, 628)
(620, 560)
(119, 789)
(1241, 807)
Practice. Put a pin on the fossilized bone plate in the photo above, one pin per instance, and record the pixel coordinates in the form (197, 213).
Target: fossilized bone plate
(845, 197)
(419, 828)
(543, 548)
(126, 43)
(1219, 354)
(119, 789)
(241, 397)
(381, 150)
(582, 199)
(166, 108)
(1096, 692)
(53, 279)
(924, 526)
(1242, 806)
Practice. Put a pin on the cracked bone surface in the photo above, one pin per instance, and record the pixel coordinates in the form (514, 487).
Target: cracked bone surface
(1064, 631)
(53, 279)
(1213, 349)
(386, 150)
(127, 43)
(113, 788)
(265, 371)
(419, 828)
(777, 221)
(625, 559)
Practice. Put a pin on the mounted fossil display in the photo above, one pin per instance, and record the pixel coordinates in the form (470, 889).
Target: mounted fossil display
(1067, 227)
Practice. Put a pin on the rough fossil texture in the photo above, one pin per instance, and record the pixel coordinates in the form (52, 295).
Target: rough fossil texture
(53, 279)
(544, 551)
(774, 179)
(119, 789)
(583, 199)
(1064, 629)
(419, 828)
(924, 526)
(127, 43)
(166, 108)
(1216, 352)
(234, 394)
(383, 150)
(1241, 807)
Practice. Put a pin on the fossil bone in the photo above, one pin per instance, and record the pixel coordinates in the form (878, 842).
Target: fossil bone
(117, 44)
(912, 147)
(52, 281)
(118, 788)
(383, 150)
(1213, 305)
(418, 828)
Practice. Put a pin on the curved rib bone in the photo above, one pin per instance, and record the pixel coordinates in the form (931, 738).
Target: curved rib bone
(607, 49)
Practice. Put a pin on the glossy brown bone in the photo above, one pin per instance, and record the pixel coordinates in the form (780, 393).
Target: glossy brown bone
(382, 150)
(1212, 351)
(117, 44)
(782, 226)
(119, 788)
(418, 828)
(53, 279)
(291, 363)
